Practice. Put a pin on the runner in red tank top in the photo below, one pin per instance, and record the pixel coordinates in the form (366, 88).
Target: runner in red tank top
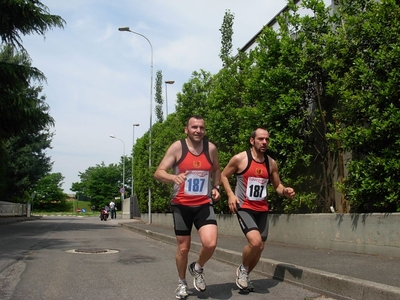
(253, 170)
(196, 177)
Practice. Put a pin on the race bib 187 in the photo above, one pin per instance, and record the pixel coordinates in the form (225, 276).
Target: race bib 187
(256, 188)
(197, 183)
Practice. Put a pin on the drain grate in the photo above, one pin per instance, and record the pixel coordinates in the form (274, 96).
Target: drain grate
(93, 251)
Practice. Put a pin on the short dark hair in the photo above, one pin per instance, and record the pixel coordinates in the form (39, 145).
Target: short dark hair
(197, 117)
(253, 133)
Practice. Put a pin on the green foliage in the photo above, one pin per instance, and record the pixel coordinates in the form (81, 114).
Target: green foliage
(25, 118)
(366, 80)
(100, 184)
(164, 135)
(284, 84)
(25, 163)
(226, 37)
(193, 99)
(48, 190)
(158, 97)
(21, 107)
(23, 127)
(25, 17)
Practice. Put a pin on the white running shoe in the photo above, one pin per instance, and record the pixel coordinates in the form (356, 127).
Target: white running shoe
(198, 278)
(181, 291)
(242, 278)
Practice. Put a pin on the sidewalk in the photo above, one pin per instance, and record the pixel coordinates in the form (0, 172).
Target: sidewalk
(337, 274)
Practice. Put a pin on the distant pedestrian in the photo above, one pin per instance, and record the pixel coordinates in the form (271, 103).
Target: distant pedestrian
(195, 165)
(113, 210)
(253, 169)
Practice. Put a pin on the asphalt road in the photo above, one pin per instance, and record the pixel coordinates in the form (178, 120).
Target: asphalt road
(85, 258)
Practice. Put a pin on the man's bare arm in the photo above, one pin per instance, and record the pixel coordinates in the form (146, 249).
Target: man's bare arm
(170, 157)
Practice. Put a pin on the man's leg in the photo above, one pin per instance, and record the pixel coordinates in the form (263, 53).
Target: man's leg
(253, 263)
(208, 236)
(182, 253)
(252, 251)
(250, 257)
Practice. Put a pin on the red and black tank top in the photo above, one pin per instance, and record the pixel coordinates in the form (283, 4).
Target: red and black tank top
(196, 190)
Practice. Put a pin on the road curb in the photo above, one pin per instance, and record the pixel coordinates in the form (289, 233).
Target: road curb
(330, 284)
(9, 220)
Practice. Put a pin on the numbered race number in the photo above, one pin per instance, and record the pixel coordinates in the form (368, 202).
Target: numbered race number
(256, 188)
(197, 183)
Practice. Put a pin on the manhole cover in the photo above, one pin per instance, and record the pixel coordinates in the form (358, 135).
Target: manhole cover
(92, 251)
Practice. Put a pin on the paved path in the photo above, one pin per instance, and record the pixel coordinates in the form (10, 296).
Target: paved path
(336, 274)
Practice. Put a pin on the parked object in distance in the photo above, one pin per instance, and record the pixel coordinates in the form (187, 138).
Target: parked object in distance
(103, 214)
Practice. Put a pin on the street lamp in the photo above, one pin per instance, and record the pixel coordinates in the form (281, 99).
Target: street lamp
(122, 190)
(133, 145)
(151, 108)
(166, 94)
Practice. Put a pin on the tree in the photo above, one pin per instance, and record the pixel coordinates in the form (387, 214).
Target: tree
(283, 89)
(100, 183)
(16, 73)
(25, 17)
(25, 134)
(21, 107)
(158, 97)
(23, 111)
(48, 190)
(26, 163)
(226, 37)
(193, 98)
(365, 61)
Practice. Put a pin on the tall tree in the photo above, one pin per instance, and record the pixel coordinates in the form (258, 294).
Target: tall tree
(19, 18)
(48, 190)
(158, 97)
(24, 135)
(21, 106)
(365, 61)
(24, 18)
(22, 110)
(100, 183)
(226, 37)
(26, 162)
(193, 98)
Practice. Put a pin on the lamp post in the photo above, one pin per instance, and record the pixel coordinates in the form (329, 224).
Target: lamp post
(122, 190)
(151, 108)
(133, 145)
(166, 94)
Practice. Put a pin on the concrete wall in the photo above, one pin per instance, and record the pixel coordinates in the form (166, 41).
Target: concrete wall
(9, 209)
(130, 208)
(376, 233)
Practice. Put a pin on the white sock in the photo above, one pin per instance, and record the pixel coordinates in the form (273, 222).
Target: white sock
(198, 268)
(182, 281)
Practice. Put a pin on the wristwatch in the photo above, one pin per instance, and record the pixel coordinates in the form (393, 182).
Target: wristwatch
(217, 188)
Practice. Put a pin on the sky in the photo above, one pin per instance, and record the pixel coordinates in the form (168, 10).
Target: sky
(98, 78)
